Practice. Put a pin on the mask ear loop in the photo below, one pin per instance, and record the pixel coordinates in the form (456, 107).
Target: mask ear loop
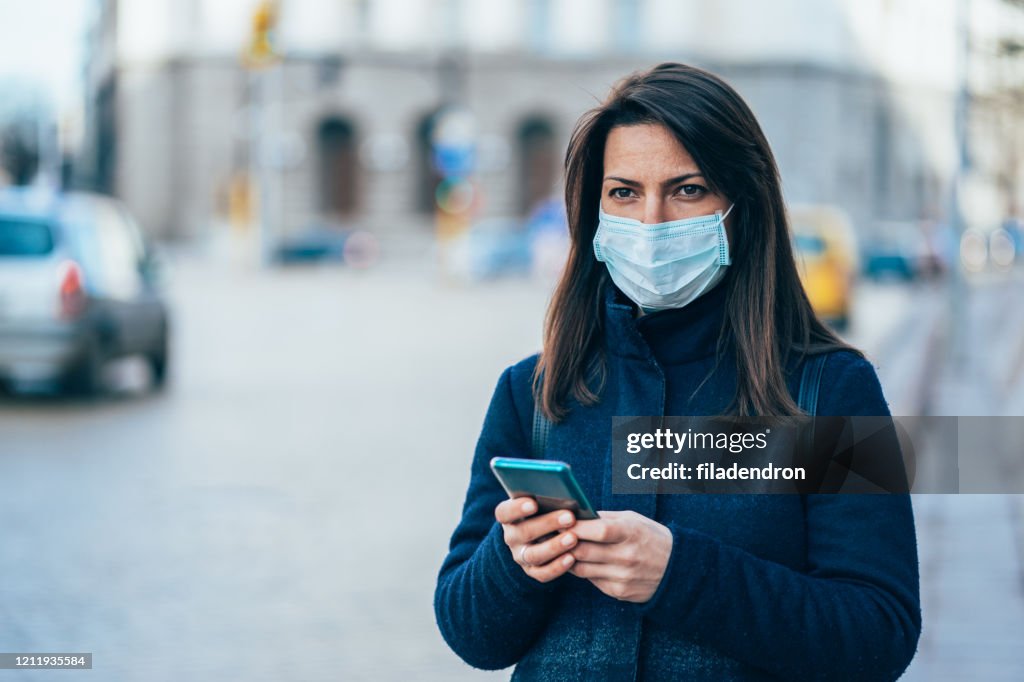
(723, 238)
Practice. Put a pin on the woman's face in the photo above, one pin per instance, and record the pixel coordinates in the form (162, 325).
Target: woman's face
(649, 176)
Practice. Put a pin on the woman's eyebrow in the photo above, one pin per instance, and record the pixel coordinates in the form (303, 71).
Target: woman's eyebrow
(670, 181)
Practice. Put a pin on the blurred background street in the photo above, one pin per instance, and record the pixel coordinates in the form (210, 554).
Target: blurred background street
(239, 399)
(280, 513)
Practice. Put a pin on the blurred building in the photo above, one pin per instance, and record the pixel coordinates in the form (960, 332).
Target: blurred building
(856, 96)
(97, 157)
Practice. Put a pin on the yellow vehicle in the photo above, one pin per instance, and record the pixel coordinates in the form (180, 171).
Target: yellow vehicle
(825, 248)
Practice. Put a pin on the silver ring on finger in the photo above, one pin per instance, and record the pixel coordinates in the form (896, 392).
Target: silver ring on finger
(522, 556)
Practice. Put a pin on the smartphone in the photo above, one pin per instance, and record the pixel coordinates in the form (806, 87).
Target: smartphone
(548, 481)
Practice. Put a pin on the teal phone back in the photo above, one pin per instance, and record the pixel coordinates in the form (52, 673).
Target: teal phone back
(550, 482)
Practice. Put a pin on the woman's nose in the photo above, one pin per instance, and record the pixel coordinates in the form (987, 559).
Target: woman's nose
(654, 211)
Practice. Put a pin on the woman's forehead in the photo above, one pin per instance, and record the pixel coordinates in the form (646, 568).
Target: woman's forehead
(646, 149)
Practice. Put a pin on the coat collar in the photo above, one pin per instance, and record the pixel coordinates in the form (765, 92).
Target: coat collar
(668, 337)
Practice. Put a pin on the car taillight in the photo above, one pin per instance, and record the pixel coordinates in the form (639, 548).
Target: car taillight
(72, 289)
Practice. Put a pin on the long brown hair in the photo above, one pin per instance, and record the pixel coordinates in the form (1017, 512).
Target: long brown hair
(768, 314)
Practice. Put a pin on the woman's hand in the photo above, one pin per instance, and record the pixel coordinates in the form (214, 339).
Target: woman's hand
(623, 553)
(542, 561)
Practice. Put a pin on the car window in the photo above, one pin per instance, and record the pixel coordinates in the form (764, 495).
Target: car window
(109, 249)
(134, 232)
(809, 244)
(24, 238)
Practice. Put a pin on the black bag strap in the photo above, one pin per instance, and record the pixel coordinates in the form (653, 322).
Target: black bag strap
(810, 384)
(807, 400)
(541, 428)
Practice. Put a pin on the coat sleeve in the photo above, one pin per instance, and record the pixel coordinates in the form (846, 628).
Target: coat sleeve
(488, 609)
(853, 614)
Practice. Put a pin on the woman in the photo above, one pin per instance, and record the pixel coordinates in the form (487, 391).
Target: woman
(710, 321)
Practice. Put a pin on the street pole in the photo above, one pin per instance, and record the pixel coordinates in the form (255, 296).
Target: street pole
(958, 293)
(265, 119)
(256, 166)
(47, 170)
(259, 56)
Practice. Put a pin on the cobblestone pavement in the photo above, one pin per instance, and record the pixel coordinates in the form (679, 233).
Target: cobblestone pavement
(972, 546)
(281, 512)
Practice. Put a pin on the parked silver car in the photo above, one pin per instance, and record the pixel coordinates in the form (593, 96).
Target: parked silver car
(77, 288)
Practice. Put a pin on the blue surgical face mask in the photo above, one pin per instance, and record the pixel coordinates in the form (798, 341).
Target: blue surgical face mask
(664, 265)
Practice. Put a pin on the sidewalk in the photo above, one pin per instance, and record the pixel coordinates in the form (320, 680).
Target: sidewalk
(972, 546)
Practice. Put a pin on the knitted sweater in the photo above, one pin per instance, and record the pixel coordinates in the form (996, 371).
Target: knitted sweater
(758, 587)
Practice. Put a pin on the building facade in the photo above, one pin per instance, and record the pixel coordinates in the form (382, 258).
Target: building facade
(858, 99)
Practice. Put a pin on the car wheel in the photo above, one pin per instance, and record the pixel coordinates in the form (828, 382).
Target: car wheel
(86, 378)
(158, 363)
(158, 368)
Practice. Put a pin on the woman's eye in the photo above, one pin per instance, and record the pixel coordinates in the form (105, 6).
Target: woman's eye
(621, 193)
(692, 190)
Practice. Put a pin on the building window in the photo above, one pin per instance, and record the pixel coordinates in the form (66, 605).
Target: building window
(339, 169)
(427, 175)
(537, 158)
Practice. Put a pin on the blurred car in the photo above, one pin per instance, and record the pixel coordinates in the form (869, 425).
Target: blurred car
(1002, 248)
(938, 249)
(491, 248)
(548, 230)
(311, 246)
(974, 250)
(889, 259)
(78, 287)
(909, 250)
(826, 252)
(1015, 228)
(328, 243)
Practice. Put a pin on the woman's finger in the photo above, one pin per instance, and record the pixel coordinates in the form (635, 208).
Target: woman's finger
(510, 511)
(543, 552)
(598, 572)
(595, 552)
(551, 570)
(601, 530)
(532, 529)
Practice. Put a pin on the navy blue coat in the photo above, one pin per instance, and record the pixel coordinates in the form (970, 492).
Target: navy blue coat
(758, 587)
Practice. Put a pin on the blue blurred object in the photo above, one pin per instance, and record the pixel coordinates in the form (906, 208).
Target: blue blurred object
(900, 252)
(548, 229)
(1015, 228)
(548, 217)
(498, 247)
(454, 161)
(327, 243)
(492, 248)
(312, 245)
(809, 244)
(881, 262)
